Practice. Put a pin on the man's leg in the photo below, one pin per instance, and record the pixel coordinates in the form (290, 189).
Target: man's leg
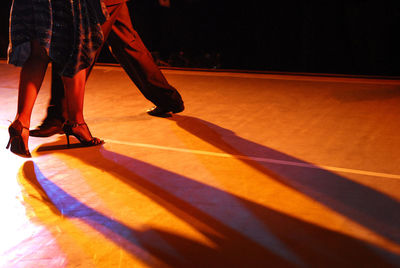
(128, 48)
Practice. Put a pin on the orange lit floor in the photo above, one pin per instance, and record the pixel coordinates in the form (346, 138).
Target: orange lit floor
(260, 170)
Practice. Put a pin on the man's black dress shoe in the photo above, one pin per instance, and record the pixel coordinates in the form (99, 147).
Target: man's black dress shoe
(49, 127)
(165, 112)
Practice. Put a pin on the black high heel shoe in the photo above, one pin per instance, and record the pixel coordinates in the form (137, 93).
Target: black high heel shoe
(82, 133)
(16, 141)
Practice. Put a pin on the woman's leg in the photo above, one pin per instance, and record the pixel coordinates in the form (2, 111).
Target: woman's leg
(30, 81)
(74, 96)
(31, 78)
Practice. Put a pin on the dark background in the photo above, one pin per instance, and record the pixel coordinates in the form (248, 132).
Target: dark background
(342, 37)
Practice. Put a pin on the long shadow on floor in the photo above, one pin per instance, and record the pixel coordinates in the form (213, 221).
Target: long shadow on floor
(246, 234)
(360, 203)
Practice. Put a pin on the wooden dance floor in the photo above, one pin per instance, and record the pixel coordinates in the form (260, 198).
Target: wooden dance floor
(260, 170)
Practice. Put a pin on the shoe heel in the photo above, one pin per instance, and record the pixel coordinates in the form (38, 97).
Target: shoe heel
(16, 141)
(67, 135)
(9, 143)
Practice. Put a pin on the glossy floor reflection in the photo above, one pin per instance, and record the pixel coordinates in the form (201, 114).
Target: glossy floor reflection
(259, 171)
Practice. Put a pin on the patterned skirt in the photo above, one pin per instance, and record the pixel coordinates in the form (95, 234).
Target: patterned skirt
(69, 30)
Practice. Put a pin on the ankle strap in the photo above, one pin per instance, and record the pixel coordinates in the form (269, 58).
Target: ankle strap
(74, 124)
(19, 123)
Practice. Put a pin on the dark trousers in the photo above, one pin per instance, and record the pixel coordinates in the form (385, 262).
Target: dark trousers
(129, 50)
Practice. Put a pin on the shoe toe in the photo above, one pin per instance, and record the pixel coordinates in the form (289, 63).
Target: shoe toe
(158, 111)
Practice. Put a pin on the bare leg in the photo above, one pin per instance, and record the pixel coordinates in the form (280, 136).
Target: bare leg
(31, 78)
(74, 96)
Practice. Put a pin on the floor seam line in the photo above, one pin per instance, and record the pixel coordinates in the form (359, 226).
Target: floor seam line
(261, 159)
